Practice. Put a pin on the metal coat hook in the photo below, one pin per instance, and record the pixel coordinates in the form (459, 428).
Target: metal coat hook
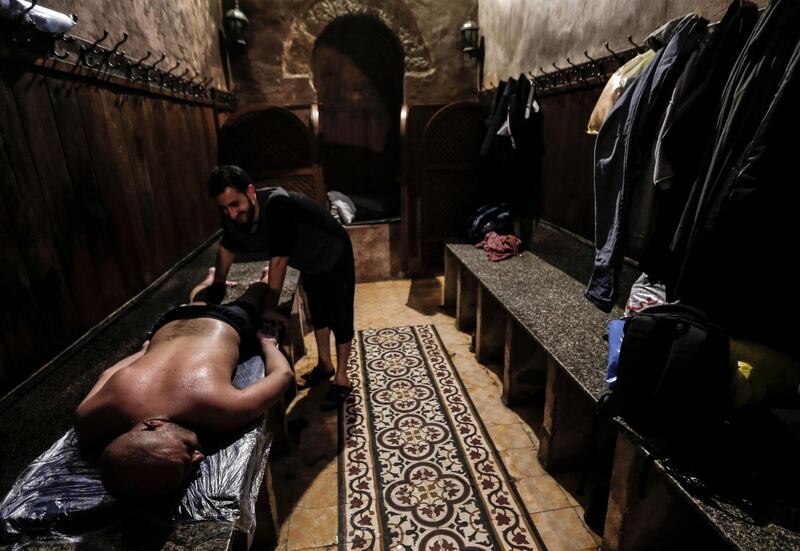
(153, 69)
(547, 77)
(616, 57)
(576, 70)
(137, 67)
(178, 84)
(593, 63)
(115, 52)
(635, 45)
(166, 76)
(92, 50)
(63, 37)
(559, 70)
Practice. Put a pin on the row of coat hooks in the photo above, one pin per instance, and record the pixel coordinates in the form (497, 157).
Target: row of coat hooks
(180, 77)
(591, 71)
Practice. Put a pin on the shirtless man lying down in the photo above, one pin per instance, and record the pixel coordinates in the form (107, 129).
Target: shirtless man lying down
(146, 411)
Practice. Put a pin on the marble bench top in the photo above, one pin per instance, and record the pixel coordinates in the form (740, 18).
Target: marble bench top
(734, 524)
(549, 303)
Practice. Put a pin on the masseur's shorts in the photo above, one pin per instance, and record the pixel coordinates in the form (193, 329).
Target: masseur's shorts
(244, 317)
(330, 297)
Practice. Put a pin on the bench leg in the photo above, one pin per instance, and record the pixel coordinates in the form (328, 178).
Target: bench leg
(491, 327)
(450, 279)
(524, 364)
(267, 526)
(568, 415)
(644, 512)
(276, 425)
(466, 300)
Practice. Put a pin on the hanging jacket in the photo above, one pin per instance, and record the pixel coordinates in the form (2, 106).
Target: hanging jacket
(685, 136)
(619, 151)
(740, 255)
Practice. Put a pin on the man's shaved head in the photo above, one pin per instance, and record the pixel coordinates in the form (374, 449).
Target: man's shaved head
(149, 463)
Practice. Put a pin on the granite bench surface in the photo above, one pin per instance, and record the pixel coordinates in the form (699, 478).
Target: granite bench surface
(245, 273)
(734, 524)
(548, 301)
(187, 536)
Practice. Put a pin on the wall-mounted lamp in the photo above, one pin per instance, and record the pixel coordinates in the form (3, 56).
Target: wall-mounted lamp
(235, 23)
(471, 42)
(472, 45)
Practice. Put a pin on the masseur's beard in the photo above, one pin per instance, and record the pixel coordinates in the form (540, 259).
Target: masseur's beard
(247, 217)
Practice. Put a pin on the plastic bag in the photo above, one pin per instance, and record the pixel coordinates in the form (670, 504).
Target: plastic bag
(645, 294)
(60, 496)
(616, 85)
(43, 19)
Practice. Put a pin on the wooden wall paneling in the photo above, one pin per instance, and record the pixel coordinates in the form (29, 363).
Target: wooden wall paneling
(164, 200)
(205, 161)
(126, 183)
(96, 218)
(567, 166)
(63, 216)
(21, 311)
(144, 176)
(212, 215)
(166, 132)
(193, 176)
(25, 206)
(101, 131)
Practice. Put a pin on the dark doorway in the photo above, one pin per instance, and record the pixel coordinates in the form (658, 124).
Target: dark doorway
(358, 67)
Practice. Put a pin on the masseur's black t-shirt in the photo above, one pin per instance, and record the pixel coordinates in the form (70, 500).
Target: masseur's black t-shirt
(290, 224)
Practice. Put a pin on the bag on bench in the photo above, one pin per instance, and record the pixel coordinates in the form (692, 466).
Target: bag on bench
(674, 386)
(670, 380)
(673, 375)
(497, 218)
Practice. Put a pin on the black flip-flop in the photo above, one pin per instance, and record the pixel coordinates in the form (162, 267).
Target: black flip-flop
(336, 397)
(316, 375)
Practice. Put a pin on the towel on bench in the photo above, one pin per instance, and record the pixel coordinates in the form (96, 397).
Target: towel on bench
(60, 495)
(499, 247)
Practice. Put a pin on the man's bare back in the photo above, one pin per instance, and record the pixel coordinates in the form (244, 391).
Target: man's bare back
(152, 404)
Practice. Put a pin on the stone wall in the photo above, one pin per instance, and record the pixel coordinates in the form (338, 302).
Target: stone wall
(522, 35)
(276, 68)
(185, 30)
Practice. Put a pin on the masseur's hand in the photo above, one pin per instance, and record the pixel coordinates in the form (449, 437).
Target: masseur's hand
(267, 337)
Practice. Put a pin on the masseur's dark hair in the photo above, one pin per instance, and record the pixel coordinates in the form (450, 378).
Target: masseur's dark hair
(223, 176)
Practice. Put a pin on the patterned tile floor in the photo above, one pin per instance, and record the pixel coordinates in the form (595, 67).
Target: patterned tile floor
(305, 479)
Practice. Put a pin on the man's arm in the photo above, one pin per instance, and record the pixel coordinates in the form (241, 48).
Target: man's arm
(216, 291)
(243, 406)
(275, 279)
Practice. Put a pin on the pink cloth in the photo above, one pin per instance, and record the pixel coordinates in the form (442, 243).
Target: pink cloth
(499, 247)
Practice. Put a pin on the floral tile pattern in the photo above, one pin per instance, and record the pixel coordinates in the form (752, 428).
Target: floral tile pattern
(417, 470)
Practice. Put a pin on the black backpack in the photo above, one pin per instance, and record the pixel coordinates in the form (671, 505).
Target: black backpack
(497, 218)
(673, 377)
(672, 386)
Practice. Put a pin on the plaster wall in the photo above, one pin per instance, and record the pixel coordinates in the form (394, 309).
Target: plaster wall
(276, 68)
(523, 35)
(187, 30)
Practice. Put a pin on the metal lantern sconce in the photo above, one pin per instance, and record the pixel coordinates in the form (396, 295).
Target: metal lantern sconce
(472, 45)
(235, 23)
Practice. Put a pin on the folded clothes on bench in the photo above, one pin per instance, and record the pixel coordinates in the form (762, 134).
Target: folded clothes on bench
(60, 495)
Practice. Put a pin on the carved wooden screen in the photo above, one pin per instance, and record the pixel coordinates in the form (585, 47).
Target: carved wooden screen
(275, 148)
(450, 145)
